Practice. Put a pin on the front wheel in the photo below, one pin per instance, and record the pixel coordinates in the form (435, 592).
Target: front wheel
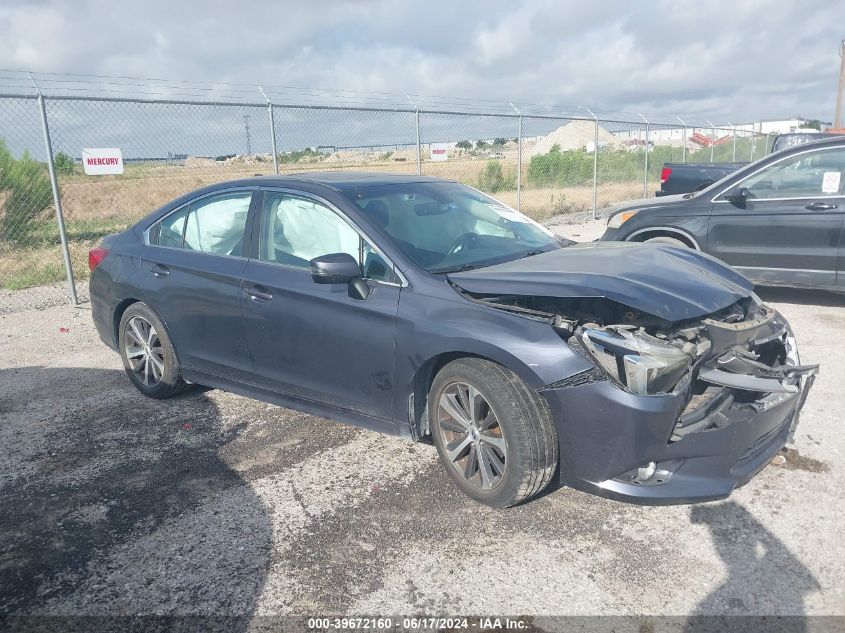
(494, 435)
(147, 353)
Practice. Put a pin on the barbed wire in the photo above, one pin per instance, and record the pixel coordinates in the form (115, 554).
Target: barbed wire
(16, 81)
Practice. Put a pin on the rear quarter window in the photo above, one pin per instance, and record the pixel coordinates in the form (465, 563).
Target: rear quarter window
(214, 224)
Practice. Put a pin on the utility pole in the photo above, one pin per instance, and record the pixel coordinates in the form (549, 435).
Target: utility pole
(837, 119)
(246, 130)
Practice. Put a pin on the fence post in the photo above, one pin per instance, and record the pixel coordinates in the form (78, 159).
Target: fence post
(272, 131)
(57, 199)
(766, 143)
(684, 149)
(518, 157)
(645, 162)
(419, 146)
(734, 148)
(712, 138)
(595, 162)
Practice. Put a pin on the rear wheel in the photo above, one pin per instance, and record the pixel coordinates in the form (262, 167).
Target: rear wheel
(493, 434)
(147, 353)
(663, 239)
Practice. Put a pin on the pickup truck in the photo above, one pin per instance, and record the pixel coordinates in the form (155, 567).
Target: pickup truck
(686, 177)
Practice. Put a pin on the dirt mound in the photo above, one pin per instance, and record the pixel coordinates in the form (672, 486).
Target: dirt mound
(574, 135)
(196, 161)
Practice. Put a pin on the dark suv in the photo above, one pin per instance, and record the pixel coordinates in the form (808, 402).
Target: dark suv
(779, 220)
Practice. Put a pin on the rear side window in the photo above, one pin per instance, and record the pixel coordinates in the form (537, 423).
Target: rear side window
(211, 225)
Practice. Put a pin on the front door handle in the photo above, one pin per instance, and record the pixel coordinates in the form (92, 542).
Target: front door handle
(159, 270)
(820, 206)
(258, 293)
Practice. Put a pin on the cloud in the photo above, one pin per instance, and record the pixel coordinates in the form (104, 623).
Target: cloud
(722, 59)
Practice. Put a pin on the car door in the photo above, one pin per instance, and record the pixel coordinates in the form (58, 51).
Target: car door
(191, 276)
(786, 227)
(316, 341)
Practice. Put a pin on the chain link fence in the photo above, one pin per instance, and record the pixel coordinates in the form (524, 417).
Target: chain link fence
(539, 163)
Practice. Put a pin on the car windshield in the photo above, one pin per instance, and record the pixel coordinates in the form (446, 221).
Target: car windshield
(791, 140)
(447, 227)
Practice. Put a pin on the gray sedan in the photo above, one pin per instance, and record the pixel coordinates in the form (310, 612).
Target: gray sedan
(424, 308)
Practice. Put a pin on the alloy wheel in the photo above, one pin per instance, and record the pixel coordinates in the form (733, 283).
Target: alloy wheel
(144, 351)
(472, 436)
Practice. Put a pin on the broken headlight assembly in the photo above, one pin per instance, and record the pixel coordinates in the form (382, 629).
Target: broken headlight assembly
(635, 360)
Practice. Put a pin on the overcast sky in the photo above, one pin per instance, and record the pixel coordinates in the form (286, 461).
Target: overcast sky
(727, 60)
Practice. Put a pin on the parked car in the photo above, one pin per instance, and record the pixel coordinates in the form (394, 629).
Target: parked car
(779, 221)
(422, 307)
(685, 177)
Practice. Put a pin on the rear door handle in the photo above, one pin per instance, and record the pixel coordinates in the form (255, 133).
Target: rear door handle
(258, 293)
(820, 206)
(159, 270)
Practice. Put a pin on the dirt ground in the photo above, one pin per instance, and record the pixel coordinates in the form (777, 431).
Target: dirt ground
(215, 504)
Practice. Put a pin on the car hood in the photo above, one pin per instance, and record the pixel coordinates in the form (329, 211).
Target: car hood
(667, 282)
(648, 203)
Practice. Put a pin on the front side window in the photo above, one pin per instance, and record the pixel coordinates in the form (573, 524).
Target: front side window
(215, 224)
(295, 230)
(812, 175)
(445, 226)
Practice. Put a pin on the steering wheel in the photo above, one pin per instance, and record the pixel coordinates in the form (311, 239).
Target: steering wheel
(464, 241)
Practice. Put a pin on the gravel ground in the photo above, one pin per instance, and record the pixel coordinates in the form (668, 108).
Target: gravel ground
(215, 504)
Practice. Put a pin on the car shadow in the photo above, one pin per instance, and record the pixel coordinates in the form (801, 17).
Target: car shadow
(762, 576)
(117, 504)
(800, 296)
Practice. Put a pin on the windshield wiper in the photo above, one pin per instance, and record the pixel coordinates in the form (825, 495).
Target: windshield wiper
(463, 267)
(454, 269)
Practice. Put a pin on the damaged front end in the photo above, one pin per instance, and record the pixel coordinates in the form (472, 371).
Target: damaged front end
(675, 412)
(727, 367)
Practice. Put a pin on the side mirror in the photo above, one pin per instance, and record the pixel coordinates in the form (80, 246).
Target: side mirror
(738, 195)
(340, 268)
(334, 268)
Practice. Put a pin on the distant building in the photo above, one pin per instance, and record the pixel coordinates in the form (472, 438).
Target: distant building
(674, 135)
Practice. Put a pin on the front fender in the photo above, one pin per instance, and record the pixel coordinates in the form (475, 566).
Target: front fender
(432, 327)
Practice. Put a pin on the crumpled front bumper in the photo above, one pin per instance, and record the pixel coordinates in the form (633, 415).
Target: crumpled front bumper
(606, 434)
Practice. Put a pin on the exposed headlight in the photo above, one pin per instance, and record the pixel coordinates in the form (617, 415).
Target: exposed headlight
(638, 362)
(620, 218)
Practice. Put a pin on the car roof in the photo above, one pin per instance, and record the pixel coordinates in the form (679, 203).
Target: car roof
(337, 180)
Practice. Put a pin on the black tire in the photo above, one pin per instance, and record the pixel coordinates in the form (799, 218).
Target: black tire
(522, 419)
(664, 239)
(162, 382)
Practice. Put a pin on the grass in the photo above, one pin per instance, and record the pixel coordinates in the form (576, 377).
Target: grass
(82, 230)
(41, 262)
(44, 273)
